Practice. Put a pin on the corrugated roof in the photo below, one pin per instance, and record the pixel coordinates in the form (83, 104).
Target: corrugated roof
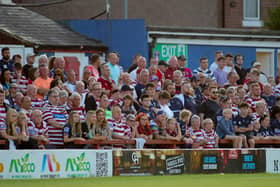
(34, 29)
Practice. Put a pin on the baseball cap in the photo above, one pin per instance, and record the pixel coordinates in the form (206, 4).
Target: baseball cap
(162, 63)
(257, 64)
(181, 57)
(30, 54)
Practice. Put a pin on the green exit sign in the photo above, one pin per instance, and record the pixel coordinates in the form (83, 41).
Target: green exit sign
(165, 51)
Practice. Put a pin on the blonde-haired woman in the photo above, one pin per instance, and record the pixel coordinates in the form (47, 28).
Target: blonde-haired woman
(101, 130)
(88, 124)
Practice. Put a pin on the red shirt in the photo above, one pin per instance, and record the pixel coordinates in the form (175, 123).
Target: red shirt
(108, 85)
(187, 73)
(169, 73)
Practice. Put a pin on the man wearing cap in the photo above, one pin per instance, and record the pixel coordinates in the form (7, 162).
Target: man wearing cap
(30, 59)
(263, 78)
(187, 73)
(6, 62)
(162, 66)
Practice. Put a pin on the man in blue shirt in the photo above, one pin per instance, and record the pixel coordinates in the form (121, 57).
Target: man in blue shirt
(115, 69)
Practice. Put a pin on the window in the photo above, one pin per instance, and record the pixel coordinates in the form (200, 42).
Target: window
(251, 13)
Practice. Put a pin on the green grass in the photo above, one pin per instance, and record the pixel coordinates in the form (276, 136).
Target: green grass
(215, 180)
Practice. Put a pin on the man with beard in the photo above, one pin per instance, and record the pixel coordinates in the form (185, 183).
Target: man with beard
(186, 97)
(210, 107)
(6, 62)
(174, 104)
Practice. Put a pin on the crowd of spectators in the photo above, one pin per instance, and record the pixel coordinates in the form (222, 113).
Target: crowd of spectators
(152, 100)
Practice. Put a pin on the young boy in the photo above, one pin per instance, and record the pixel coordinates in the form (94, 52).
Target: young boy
(243, 125)
(196, 133)
(210, 134)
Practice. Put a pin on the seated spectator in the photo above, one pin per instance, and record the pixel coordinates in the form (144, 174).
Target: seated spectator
(70, 84)
(143, 128)
(73, 131)
(265, 130)
(131, 132)
(58, 74)
(145, 106)
(275, 120)
(210, 135)
(127, 106)
(35, 102)
(164, 98)
(187, 73)
(117, 118)
(141, 83)
(196, 133)
(260, 110)
(173, 131)
(243, 125)
(268, 96)
(158, 125)
(104, 103)
(225, 129)
(57, 83)
(75, 100)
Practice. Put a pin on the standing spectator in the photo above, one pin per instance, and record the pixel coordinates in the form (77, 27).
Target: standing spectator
(263, 77)
(37, 128)
(115, 69)
(107, 83)
(94, 65)
(173, 66)
(86, 77)
(75, 100)
(43, 60)
(187, 73)
(203, 70)
(229, 67)
(30, 59)
(134, 64)
(254, 95)
(141, 64)
(3, 106)
(6, 79)
(59, 63)
(70, 84)
(56, 118)
(214, 65)
(178, 80)
(101, 129)
(6, 62)
(43, 82)
(239, 69)
(210, 107)
(219, 73)
(163, 66)
(225, 129)
(31, 91)
(19, 79)
(17, 59)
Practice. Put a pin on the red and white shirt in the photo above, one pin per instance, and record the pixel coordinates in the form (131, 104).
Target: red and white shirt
(34, 130)
(59, 114)
(37, 103)
(22, 83)
(3, 112)
(197, 135)
(211, 137)
(252, 102)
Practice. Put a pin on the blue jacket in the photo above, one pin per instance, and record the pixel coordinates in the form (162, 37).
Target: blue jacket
(224, 127)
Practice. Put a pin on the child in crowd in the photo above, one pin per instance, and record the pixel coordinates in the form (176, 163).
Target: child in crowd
(196, 133)
(210, 134)
(173, 130)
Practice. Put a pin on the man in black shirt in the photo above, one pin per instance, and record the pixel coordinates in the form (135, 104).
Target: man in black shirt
(210, 107)
(239, 69)
(6, 62)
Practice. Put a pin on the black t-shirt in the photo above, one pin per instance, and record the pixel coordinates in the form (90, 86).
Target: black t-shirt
(242, 122)
(210, 109)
